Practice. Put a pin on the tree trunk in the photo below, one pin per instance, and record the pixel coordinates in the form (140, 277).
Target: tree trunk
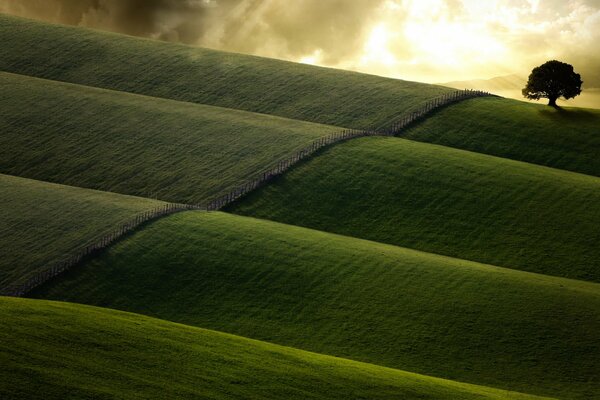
(552, 101)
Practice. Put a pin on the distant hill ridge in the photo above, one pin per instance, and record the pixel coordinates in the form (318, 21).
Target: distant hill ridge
(323, 95)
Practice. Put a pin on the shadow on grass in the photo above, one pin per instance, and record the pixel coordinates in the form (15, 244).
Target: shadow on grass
(569, 114)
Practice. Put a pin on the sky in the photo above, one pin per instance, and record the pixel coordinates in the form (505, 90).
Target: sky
(424, 40)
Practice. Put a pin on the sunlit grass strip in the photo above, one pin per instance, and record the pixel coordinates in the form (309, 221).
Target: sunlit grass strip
(57, 351)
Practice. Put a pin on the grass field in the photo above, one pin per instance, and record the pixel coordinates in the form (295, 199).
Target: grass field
(445, 201)
(352, 298)
(566, 138)
(178, 72)
(41, 222)
(87, 352)
(137, 145)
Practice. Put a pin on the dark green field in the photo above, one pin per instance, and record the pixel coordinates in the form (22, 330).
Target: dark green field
(567, 138)
(185, 73)
(445, 201)
(138, 145)
(57, 351)
(42, 222)
(352, 298)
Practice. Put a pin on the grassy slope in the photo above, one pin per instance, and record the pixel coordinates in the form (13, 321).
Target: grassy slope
(198, 75)
(88, 352)
(566, 138)
(137, 145)
(352, 298)
(40, 222)
(445, 201)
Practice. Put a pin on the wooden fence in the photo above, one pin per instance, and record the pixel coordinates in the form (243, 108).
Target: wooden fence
(391, 130)
(218, 203)
(67, 263)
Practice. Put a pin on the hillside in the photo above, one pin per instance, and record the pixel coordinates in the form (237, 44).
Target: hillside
(185, 73)
(137, 145)
(42, 222)
(565, 138)
(107, 354)
(444, 201)
(352, 298)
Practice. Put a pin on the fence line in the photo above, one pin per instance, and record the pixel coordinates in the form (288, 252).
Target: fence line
(218, 203)
(66, 264)
(392, 130)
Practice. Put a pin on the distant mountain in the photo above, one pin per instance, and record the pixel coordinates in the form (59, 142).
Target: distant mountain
(499, 83)
(510, 86)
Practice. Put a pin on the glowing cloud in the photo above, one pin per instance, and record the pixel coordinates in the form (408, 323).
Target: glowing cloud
(426, 40)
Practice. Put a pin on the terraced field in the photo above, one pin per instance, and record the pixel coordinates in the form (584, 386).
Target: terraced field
(43, 222)
(291, 90)
(137, 145)
(352, 298)
(113, 355)
(445, 201)
(565, 138)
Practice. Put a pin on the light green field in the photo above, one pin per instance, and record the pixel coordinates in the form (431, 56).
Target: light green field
(444, 201)
(567, 138)
(178, 72)
(352, 298)
(87, 352)
(137, 145)
(41, 222)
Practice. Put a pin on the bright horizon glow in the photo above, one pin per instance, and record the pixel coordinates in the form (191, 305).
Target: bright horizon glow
(421, 40)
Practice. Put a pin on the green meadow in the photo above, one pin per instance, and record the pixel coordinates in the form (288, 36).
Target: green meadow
(460, 261)
(56, 351)
(178, 72)
(42, 223)
(443, 200)
(351, 298)
(138, 145)
(566, 138)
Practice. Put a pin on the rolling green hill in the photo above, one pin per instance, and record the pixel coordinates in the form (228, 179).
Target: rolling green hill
(566, 138)
(185, 73)
(42, 222)
(352, 298)
(88, 352)
(446, 201)
(137, 145)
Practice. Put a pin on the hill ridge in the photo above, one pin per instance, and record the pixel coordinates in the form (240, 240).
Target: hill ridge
(352, 298)
(269, 86)
(222, 365)
(260, 179)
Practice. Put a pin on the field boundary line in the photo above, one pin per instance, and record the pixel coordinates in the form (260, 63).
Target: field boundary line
(394, 129)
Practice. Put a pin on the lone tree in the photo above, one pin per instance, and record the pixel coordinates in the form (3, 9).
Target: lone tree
(552, 80)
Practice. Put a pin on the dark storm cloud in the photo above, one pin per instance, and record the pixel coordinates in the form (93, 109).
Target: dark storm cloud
(135, 17)
(285, 29)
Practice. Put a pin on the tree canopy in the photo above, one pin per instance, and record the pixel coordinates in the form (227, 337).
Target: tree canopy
(552, 80)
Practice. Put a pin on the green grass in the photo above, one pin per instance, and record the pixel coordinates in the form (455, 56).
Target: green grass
(443, 200)
(137, 145)
(352, 298)
(41, 222)
(179, 72)
(567, 138)
(87, 352)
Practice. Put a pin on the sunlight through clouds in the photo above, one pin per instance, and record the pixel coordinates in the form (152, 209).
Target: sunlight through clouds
(424, 40)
